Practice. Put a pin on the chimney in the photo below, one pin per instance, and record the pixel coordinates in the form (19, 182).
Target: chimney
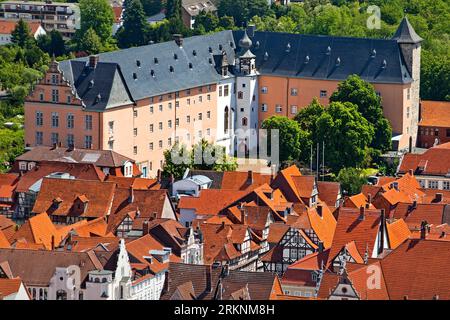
(321, 247)
(145, 228)
(320, 210)
(93, 61)
(423, 229)
(244, 215)
(158, 176)
(411, 172)
(53, 242)
(131, 197)
(250, 177)
(369, 199)
(178, 38)
(382, 226)
(362, 213)
(208, 278)
(439, 197)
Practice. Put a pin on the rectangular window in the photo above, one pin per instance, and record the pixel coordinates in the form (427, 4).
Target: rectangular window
(88, 122)
(208, 114)
(70, 121)
(294, 92)
(446, 185)
(188, 119)
(209, 88)
(448, 133)
(170, 105)
(220, 91)
(408, 94)
(135, 132)
(69, 99)
(135, 113)
(111, 127)
(240, 95)
(150, 145)
(151, 128)
(87, 142)
(70, 140)
(169, 141)
(200, 134)
(436, 132)
(160, 144)
(160, 126)
(200, 98)
(55, 120)
(264, 107)
(55, 79)
(264, 90)
(200, 116)
(188, 91)
(208, 97)
(55, 95)
(407, 112)
(177, 104)
(293, 109)
(323, 93)
(111, 145)
(161, 98)
(208, 132)
(160, 107)
(135, 150)
(55, 138)
(226, 90)
(177, 122)
(188, 101)
(39, 138)
(278, 108)
(169, 123)
(432, 184)
(41, 96)
(39, 119)
(151, 109)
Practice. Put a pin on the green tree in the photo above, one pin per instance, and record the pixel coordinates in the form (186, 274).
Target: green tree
(90, 42)
(21, 35)
(226, 22)
(152, 7)
(363, 95)
(176, 161)
(208, 20)
(351, 180)
(347, 135)
(52, 43)
(97, 15)
(134, 30)
(173, 9)
(292, 139)
(307, 118)
(435, 77)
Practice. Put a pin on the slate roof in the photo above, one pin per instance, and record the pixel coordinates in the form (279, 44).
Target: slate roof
(406, 33)
(137, 73)
(346, 56)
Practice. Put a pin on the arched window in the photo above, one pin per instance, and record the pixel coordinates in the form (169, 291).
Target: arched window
(226, 119)
(244, 121)
(61, 295)
(97, 280)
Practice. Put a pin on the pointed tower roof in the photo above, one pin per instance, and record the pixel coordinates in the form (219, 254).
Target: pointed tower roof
(406, 33)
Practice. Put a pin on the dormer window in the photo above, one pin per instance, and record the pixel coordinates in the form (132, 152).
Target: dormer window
(138, 63)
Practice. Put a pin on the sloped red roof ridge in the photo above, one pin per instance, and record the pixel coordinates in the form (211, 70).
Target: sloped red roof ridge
(436, 161)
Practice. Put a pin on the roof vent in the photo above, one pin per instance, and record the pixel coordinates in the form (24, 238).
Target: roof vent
(210, 50)
(266, 56)
(306, 59)
(98, 98)
(171, 69)
(152, 73)
(134, 75)
(328, 51)
(231, 44)
(91, 84)
(190, 65)
(155, 60)
(257, 44)
(384, 65)
(210, 60)
(138, 63)
(373, 54)
(220, 47)
(288, 47)
(338, 62)
(175, 56)
(194, 53)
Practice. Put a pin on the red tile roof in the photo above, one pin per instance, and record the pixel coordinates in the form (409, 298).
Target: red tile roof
(329, 192)
(413, 216)
(417, 269)
(397, 233)
(435, 161)
(97, 195)
(211, 201)
(9, 287)
(136, 183)
(236, 180)
(7, 26)
(435, 114)
(7, 226)
(8, 183)
(4, 243)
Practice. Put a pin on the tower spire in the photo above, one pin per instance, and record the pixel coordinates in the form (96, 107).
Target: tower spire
(406, 33)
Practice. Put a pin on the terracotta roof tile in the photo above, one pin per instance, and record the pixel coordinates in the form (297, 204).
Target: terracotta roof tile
(397, 233)
(9, 286)
(435, 114)
(8, 26)
(329, 192)
(236, 180)
(323, 225)
(413, 216)
(435, 161)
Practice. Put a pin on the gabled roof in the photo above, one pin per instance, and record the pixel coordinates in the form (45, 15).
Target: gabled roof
(417, 269)
(435, 161)
(350, 228)
(9, 286)
(435, 113)
(406, 33)
(79, 171)
(397, 233)
(236, 180)
(324, 225)
(8, 26)
(8, 183)
(101, 158)
(7, 226)
(329, 192)
(97, 195)
(414, 215)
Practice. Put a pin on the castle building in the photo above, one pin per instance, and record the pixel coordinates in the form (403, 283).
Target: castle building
(220, 87)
